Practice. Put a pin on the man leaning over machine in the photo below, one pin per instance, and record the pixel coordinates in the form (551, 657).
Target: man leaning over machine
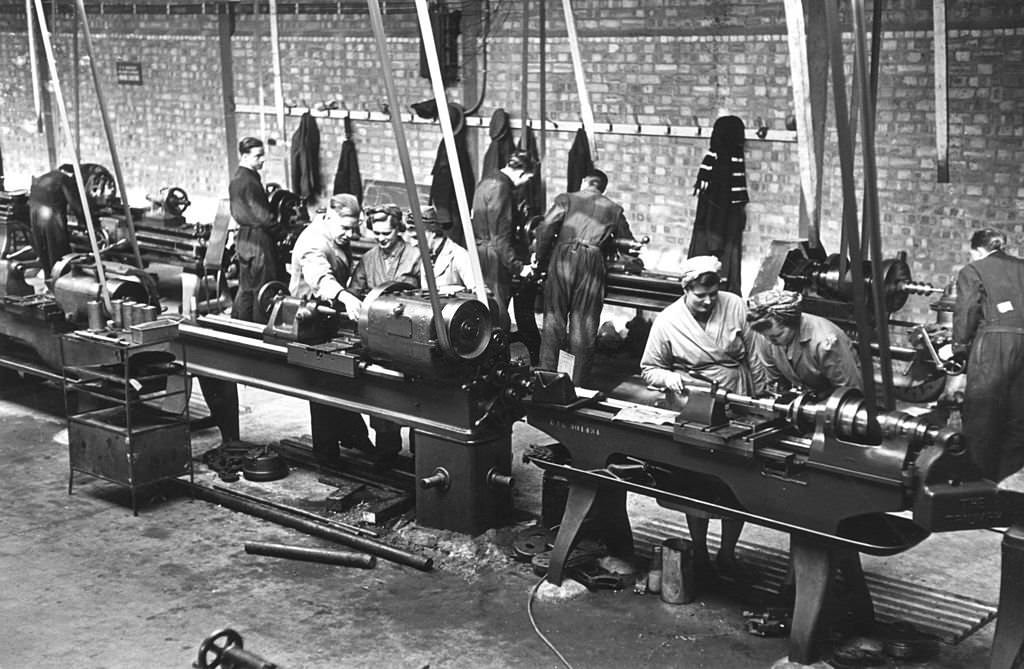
(321, 266)
(570, 244)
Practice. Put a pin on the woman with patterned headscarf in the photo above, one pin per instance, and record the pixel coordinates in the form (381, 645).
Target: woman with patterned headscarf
(703, 336)
(801, 350)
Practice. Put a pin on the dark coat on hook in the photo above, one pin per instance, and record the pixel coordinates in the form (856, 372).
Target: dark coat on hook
(305, 159)
(721, 190)
(348, 179)
(580, 162)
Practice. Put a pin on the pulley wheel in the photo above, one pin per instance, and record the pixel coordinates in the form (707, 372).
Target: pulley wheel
(267, 293)
(469, 328)
(212, 649)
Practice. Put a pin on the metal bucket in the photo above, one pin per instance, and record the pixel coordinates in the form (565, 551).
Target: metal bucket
(677, 578)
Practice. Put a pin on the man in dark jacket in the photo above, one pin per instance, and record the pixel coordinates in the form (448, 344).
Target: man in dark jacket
(988, 325)
(257, 230)
(51, 197)
(493, 229)
(570, 243)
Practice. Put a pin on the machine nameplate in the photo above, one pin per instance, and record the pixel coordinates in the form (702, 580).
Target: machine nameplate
(579, 428)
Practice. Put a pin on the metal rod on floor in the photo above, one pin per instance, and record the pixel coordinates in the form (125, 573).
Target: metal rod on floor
(353, 529)
(322, 555)
(314, 528)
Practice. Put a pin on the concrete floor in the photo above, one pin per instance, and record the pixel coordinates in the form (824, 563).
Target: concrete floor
(85, 584)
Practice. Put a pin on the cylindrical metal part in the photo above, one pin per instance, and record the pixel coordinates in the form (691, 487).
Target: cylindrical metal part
(439, 479)
(138, 313)
(678, 584)
(311, 527)
(115, 313)
(127, 309)
(355, 529)
(150, 313)
(95, 311)
(498, 480)
(654, 576)
(323, 555)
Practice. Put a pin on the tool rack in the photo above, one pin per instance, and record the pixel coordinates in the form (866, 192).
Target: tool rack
(127, 409)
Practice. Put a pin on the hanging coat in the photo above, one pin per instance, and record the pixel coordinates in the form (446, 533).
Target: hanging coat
(347, 179)
(580, 162)
(305, 159)
(442, 188)
(502, 142)
(721, 190)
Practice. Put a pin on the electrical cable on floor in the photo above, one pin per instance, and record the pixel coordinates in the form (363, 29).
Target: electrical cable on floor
(529, 612)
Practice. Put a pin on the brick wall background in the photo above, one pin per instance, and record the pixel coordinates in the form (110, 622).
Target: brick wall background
(647, 61)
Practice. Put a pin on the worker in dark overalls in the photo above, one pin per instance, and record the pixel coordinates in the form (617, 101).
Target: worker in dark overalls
(988, 330)
(493, 229)
(51, 197)
(571, 245)
(258, 230)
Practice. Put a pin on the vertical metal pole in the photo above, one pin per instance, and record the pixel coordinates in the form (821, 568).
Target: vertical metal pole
(377, 23)
(275, 50)
(542, 83)
(586, 112)
(444, 117)
(864, 329)
(33, 59)
(225, 30)
(101, 99)
(75, 165)
(524, 57)
(44, 117)
(941, 94)
(75, 58)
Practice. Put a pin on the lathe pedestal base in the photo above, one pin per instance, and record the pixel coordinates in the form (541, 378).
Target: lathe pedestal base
(469, 496)
(1008, 643)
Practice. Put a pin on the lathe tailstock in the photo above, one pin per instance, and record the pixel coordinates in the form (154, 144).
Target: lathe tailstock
(824, 470)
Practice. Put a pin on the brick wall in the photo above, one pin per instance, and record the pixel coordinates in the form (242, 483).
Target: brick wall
(648, 61)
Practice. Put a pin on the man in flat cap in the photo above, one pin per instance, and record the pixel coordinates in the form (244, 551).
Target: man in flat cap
(451, 261)
(801, 350)
(704, 336)
(321, 266)
(571, 245)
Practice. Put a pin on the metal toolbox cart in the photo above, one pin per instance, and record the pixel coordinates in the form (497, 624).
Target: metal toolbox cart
(127, 408)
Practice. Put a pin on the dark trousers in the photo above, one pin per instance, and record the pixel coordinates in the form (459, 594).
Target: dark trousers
(573, 298)
(252, 274)
(498, 280)
(526, 322)
(993, 420)
(50, 236)
(332, 427)
(222, 399)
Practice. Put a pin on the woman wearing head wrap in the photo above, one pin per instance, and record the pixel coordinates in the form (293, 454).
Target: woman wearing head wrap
(703, 336)
(801, 350)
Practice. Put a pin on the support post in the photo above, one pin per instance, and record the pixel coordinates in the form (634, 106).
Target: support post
(586, 111)
(941, 94)
(225, 31)
(101, 99)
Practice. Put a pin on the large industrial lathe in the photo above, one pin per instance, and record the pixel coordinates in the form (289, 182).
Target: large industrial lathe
(824, 471)
(459, 403)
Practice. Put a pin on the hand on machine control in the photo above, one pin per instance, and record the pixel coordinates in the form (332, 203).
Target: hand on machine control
(526, 272)
(350, 303)
(675, 383)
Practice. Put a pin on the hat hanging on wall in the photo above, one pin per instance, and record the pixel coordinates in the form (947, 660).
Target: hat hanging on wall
(428, 109)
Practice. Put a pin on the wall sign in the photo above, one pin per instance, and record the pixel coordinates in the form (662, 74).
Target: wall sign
(128, 72)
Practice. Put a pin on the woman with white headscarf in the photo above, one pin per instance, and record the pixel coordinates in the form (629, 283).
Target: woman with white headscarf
(704, 336)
